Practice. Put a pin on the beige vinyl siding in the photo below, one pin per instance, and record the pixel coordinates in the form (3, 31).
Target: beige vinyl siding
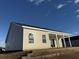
(38, 44)
(60, 43)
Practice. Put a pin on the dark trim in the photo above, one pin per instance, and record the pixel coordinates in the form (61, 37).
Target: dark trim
(22, 39)
(37, 27)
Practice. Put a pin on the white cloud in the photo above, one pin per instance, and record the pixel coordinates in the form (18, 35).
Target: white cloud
(76, 33)
(77, 10)
(37, 2)
(77, 16)
(76, 1)
(60, 6)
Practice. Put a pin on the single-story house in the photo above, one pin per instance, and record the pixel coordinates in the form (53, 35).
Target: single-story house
(27, 37)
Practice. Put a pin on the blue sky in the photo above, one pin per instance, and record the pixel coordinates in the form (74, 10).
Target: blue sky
(61, 15)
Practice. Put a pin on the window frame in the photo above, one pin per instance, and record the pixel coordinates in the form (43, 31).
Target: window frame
(31, 38)
(44, 39)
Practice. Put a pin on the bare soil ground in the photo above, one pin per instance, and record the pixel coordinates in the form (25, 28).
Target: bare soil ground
(60, 53)
(12, 55)
(54, 53)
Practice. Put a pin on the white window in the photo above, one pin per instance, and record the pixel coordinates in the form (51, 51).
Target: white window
(44, 38)
(31, 38)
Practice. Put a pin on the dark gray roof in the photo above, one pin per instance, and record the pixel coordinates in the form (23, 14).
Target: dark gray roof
(21, 24)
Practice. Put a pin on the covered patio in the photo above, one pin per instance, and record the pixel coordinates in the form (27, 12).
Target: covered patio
(58, 41)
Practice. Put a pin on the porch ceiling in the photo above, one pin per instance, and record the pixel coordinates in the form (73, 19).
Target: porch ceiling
(53, 36)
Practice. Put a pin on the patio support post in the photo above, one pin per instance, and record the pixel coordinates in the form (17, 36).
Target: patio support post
(70, 42)
(64, 41)
(57, 41)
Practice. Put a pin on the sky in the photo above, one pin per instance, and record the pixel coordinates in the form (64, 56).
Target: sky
(62, 15)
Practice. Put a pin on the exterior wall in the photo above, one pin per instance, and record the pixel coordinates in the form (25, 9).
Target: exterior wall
(60, 43)
(14, 38)
(37, 39)
(55, 43)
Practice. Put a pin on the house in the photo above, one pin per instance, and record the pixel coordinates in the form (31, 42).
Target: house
(28, 37)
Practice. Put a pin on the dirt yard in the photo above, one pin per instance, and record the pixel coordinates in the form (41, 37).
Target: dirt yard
(60, 53)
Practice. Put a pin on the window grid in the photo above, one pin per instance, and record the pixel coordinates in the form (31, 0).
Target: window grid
(31, 38)
(44, 38)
